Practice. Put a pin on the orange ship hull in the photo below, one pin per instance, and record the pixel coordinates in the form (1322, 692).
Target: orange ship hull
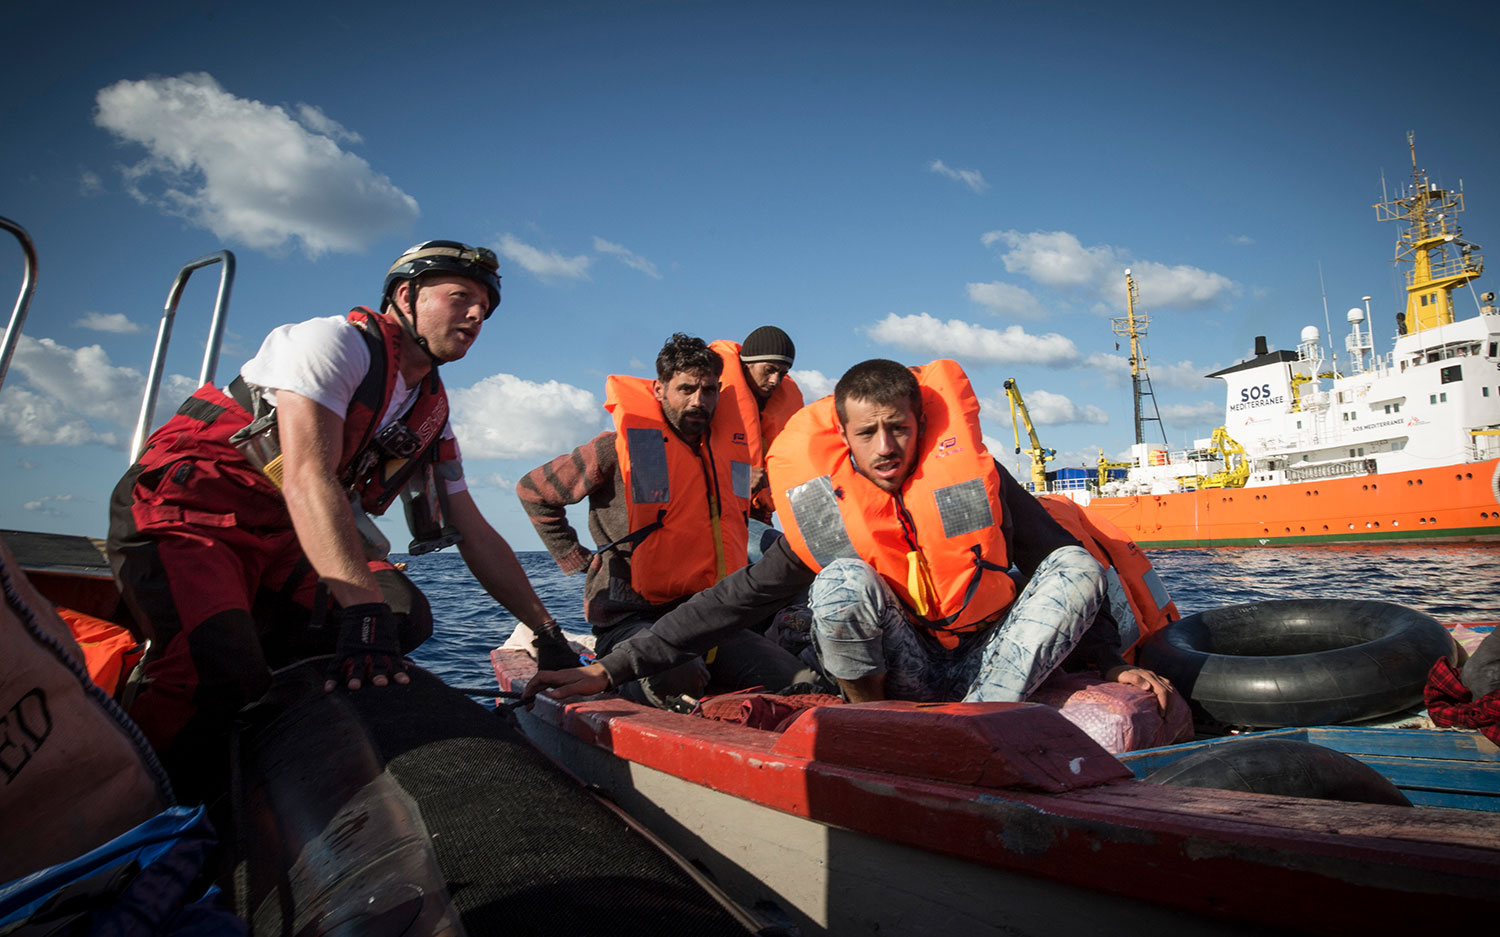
(1455, 503)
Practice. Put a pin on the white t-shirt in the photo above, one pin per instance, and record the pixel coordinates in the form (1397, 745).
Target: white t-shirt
(325, 360)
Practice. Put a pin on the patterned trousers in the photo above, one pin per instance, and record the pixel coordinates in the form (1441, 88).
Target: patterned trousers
(860, 628)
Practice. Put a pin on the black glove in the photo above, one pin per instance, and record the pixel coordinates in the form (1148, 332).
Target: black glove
(368, 644)
(552, 650)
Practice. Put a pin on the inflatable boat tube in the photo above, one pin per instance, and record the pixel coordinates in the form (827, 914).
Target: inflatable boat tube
(412, 810)
(1299, 662)
(1281, 766)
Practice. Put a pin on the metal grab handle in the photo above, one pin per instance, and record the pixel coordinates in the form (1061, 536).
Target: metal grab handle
(164, 335)
(23, 301)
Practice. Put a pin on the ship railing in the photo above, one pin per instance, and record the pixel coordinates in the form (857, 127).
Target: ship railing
(1484, 443)
(164, 336)
(1461, 266)
(23, 301)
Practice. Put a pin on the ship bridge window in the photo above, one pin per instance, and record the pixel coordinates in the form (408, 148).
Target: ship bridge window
(1495, 349)
(1438, 398)
(1453, 372)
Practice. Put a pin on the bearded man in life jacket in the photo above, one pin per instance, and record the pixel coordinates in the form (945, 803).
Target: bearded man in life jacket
(669, 497)
(241, 539)
(914, 543)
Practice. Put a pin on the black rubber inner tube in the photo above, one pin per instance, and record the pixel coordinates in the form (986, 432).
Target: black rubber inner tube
(1299, 662)
(1281, 766)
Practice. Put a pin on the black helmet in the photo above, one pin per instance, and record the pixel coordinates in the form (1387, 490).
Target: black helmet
(475, 263)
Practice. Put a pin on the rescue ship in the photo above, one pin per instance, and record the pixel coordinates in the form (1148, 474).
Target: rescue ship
(1318, 449)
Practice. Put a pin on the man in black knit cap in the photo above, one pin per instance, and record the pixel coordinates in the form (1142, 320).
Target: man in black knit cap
(756, 380)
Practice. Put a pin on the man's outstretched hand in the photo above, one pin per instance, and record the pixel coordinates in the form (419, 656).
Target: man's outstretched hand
(561, 684)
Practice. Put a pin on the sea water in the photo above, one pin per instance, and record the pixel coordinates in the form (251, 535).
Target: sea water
(1450, 583)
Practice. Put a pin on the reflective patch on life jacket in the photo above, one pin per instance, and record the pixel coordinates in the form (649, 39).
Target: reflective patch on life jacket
(1159, 593)
(964, 508)
(649, 483)
(1119, 606)
(739, 479)
(816, 509)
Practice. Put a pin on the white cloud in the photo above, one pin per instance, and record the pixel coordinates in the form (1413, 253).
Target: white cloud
(45, 505)
(312, 117)
(964, 341)
(814, 384)
(89, 183)
(249, 171)
(55, 395)
(1046, 409)
(1178, 286)
(542, 263)
(1182, 374)
(969, 177)
(1049, 409)
(1053, 258)
(1003, 299)
(1108, 364)
(629, 258)
(1241, 239)
(505, 417)
(1188, 415)
(494, 480)
(115, 322)
(1058, 259)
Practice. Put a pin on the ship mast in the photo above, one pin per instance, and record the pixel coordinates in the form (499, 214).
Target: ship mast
(1133, 327)
(1429, 230)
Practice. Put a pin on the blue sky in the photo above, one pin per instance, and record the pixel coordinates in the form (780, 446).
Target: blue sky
(944, 179)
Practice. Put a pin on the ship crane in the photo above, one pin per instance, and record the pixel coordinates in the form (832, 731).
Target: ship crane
(1040, 455)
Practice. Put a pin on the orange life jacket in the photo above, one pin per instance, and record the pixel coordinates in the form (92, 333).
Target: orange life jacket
(762, 424)
(109, 650)
(939, 543)
(1112, 547)
(687, 506)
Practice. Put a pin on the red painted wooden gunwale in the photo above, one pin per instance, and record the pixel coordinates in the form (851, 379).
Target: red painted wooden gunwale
(1018, 788)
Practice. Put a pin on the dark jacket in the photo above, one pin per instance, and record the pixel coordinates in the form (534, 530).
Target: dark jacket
(761, 589)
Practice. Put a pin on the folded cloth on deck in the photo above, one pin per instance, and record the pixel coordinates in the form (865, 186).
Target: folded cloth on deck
(1449, 702)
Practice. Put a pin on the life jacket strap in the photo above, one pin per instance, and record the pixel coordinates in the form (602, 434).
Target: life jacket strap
(981, 566)
(636, 536)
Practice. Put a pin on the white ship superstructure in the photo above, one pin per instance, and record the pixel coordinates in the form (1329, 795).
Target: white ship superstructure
(1433, 400)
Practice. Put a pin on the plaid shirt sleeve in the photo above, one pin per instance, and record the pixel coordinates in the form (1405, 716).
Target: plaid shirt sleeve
(547, 490)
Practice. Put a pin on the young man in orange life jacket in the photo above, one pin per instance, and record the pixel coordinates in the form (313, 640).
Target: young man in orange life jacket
(669, 494)
(904, 528)
(240, 539)
(756, 381)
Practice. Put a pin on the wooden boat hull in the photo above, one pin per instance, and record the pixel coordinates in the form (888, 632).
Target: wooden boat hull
(1452, 504)
(902, 818)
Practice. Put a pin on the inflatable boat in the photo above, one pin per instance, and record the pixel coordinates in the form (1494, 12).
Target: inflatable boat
(410, 810)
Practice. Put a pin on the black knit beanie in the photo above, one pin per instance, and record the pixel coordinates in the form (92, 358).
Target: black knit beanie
(768, 343)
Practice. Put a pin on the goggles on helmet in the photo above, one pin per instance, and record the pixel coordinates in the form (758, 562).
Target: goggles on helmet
(475, 263)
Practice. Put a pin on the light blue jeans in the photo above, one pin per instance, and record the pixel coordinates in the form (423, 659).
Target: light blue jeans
(860, 628)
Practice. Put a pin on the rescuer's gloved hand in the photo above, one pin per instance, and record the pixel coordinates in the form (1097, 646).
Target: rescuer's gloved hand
(369, 647)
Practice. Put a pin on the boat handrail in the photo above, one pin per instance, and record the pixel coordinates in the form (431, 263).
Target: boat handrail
(164, 335)
(23, 300)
